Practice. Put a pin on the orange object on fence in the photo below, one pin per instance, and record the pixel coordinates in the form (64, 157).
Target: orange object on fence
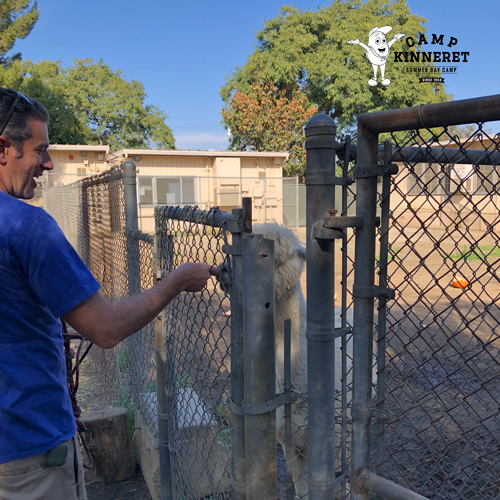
(460, 282)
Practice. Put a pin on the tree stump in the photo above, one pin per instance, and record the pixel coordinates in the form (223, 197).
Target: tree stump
(108, 439)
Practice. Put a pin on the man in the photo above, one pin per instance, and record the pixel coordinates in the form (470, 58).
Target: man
(41, 280)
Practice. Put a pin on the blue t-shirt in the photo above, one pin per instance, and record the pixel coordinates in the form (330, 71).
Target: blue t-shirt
(41, 279)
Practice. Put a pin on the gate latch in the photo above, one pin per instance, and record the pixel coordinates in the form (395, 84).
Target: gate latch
(376, 170)
(332, 226)
(259, 409)
(374, 291)
(334, 222)
(369, 413)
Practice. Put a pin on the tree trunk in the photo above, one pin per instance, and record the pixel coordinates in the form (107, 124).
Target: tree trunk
(108, 439)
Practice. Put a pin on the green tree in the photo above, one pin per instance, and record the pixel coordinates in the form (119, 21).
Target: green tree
(266, 119)
(46, 82)
(310, 49)
(17, 20)
(113, 108)
(91, 104)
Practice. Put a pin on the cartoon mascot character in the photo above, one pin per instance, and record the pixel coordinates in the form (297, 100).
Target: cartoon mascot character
(377, 52)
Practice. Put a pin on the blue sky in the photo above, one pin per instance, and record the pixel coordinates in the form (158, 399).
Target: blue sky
(182, 51)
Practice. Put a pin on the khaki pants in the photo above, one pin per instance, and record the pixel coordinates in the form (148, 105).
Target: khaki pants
(31, 478)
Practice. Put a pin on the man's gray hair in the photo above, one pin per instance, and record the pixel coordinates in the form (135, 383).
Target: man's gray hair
(17, 130)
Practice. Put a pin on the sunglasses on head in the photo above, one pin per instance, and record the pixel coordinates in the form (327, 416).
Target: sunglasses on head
(18, 97)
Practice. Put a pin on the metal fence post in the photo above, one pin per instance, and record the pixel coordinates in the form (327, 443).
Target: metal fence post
(131, 224)
(136, 343)
(166, 492)
(260, 367)
(85, 249)
(364, 275)
(297, 216)
(130, 194)
(237, 364)
(320, 180)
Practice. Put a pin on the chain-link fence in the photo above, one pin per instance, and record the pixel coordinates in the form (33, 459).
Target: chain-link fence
(280, 199)
(436, 411)
(430, 425)
(197, 336)
(442, 340)
(91, 213)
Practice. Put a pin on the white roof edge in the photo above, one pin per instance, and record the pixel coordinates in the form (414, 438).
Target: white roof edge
(180, 152)
(78, 147)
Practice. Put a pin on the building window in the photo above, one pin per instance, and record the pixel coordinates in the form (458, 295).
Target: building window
(485, 179)
(429, 179)
(145, 190)
(166, 190)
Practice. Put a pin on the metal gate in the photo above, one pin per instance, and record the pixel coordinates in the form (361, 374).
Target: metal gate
(433, 426)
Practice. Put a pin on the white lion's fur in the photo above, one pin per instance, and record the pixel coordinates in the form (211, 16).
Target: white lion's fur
(290, 259)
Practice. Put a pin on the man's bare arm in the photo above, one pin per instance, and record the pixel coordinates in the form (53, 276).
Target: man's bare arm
(107, 324)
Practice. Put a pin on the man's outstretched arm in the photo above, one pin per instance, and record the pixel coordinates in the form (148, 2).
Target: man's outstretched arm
(107, 324)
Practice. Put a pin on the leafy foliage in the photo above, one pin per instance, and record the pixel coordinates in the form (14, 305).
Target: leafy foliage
(92, 104)
(307, 51)
(17, 20)
(266, 119)
(113, 108)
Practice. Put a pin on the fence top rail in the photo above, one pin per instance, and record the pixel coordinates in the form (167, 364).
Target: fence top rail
(423, 153)
(115, 173)
(480, 109)
(140, 236)
(213, 217)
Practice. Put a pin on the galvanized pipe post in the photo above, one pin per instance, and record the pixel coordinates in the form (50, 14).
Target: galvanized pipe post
(85, 250)
(382, 311)
(166, 489)
(364, 272)
(135, 343)
(320, 176)
(131, 223)
(260, 367)
(130, 194)
(237, 363)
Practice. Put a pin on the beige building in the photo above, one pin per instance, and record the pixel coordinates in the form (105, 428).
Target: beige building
(206, 179)
(71, 162)
(475, 192)
(82, 160)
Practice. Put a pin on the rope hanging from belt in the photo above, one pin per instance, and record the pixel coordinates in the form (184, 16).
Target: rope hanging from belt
(73, 379)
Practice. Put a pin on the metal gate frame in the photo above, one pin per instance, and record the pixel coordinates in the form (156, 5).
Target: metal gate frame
(370, 125)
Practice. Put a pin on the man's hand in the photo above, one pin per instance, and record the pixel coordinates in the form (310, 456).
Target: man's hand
(194, 276)
(353, 42)
(108, 324)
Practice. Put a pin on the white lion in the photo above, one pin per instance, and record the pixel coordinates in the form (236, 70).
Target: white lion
(290, 259)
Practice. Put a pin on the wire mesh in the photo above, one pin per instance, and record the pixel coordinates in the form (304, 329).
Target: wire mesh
(196, 330)
(91, 213)
(443, 346)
